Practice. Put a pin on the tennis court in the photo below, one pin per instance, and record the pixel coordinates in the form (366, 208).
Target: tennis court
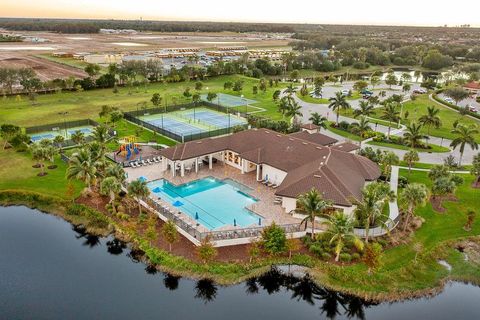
(56, 131)
(228, 100)
(217, 119)
(172, 122)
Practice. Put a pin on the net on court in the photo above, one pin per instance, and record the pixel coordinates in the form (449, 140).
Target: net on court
(173, 123)
(51, 134)
(228, 100)
(216, 119)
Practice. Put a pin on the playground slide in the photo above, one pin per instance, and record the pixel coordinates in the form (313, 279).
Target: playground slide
(129, 153)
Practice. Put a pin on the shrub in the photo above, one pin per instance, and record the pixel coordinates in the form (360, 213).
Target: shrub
(402, 182)
(355, 256)
(326, 256)
(316, 249)
(345, 257)
(274, 239)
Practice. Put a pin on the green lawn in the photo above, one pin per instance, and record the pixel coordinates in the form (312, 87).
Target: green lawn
(87, 104)
(17, 174)
(310, 99)
(435, 148)
(448, 116)
(345, 134)
(399, 274)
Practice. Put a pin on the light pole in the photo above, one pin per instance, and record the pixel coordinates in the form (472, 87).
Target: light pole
(64, 114)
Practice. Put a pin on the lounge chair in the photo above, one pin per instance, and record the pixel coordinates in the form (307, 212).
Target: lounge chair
(156, 160)
(143, 163)
(132, 165)
(148, 161)
(274, 186)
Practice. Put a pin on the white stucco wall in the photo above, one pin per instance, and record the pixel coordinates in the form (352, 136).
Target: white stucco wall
(289, 204)
(275, 175)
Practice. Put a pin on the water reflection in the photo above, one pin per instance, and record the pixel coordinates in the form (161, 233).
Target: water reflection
(90, 240)
(171, 282)
(205, 290)
(115, 246)
(331, 303)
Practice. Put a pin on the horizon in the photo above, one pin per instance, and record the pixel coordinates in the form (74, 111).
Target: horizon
(372, 12)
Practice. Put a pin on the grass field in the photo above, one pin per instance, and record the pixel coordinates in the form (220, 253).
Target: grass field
(399, 273)
(309, 99)
(434, 149)
(448, 116)
(16, 173)
(87, 104)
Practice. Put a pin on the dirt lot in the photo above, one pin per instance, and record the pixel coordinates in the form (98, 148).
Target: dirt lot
(45, 70)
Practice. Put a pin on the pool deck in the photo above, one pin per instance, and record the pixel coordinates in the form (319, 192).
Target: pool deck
(265, 207)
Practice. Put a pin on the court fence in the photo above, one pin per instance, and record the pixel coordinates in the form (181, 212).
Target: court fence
(134, 116)
(65, 126)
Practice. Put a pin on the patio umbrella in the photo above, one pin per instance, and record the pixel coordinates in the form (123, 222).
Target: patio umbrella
(177, 204)
(142, 178)
(234, 222)
(259, 221)
(196, 215)
(157, 190)
(266, 177)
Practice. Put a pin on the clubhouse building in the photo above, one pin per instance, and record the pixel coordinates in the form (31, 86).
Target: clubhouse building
(289, 164)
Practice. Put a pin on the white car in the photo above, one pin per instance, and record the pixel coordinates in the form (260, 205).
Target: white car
(345, 92)
(472, 109)
(420, 91)
(449, 100)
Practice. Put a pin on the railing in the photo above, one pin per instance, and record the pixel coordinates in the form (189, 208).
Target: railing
(377, 231)
(215, 235)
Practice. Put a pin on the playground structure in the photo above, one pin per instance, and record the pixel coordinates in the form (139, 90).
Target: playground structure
(128, 148)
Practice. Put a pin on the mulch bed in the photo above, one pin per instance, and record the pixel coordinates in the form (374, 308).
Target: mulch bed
(438, 201)
(183, 248)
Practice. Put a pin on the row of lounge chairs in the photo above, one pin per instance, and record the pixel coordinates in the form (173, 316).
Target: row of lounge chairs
(136, 164)
(269, 184)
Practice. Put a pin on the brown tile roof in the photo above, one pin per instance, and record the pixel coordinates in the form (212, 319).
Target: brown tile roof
(337, 174)
(309, 126)
(472, 85)
(316, 137)
(346, 146)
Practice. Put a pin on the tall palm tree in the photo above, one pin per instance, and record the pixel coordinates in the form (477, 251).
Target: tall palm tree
(283, 105)
(414, 195)
(294, 110)
(366, 109)
(465, 136)
(138, 189)
(100, 134)
(318, 120)
(82, 167)
(314, 206)
(389, 159)
(110, 186)
(413, 134)
(374, 198)
(410, 158)
(338, 103)
(391, 114)
(431, 119)
(39, 154)
(340, 229)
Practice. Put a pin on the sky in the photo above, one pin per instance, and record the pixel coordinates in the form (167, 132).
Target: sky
(405, 12)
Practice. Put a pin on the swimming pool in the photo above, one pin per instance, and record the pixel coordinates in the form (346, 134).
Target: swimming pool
(212, 202)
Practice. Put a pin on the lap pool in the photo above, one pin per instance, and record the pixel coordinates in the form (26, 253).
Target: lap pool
(212, 202)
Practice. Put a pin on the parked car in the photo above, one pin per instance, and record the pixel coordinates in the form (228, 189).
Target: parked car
(472, 109)
(449, 100)
(420, 91)
(366, 92)
(345, 92)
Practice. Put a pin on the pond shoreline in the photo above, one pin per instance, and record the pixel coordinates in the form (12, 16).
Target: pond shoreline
(58, 207)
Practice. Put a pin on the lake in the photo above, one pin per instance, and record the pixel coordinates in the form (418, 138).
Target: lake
(50, 270)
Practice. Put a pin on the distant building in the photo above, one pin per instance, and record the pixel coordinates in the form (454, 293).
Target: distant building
(473, 87)
(103, 59)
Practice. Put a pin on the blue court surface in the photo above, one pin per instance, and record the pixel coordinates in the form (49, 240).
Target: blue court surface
(188, 122)
(50, 135)
(228, 100)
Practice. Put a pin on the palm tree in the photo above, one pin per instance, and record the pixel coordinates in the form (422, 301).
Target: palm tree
(410, 158)
(110, 186)
(283, 105)
(291, 89)
(78, 137)
(391, 114)
(414, 195)
(361, 127)
(431, 119)
(366, 110)
(116, 171)
(314, 206)
(413, 135)
(100, 134)
(374, 198)
(338, 103)
(465, 136)
(138, 189)
(389, 159)
(318, 120)
(294, 110)
(82, 167)
(39, 154)
(340, 228)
